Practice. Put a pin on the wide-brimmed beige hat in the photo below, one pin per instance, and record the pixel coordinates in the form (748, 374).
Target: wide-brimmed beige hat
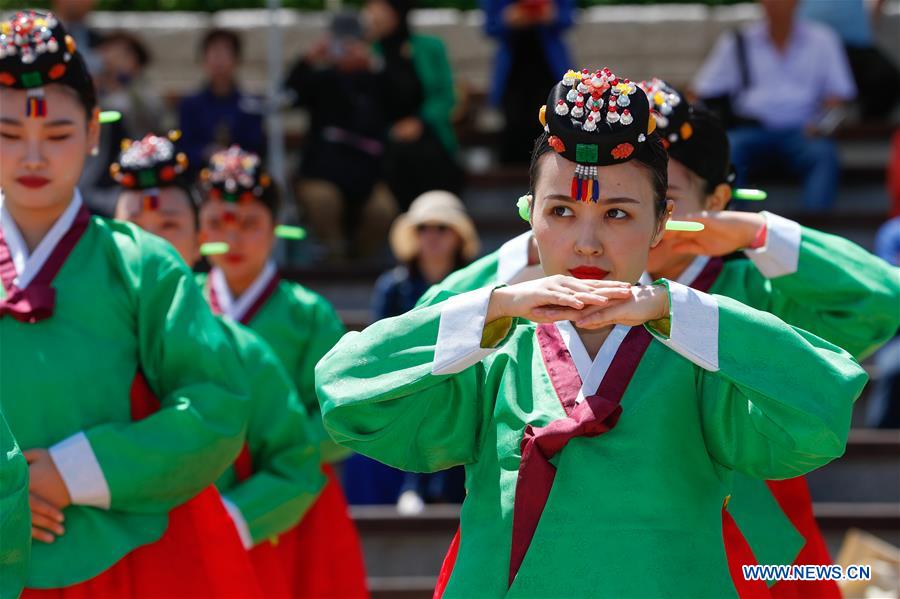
(433, 207)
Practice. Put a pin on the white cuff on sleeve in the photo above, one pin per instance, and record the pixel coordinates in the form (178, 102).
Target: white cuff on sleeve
(78, 466)
(460, 332)
(781, 253)
(239, 523)
(694, 326)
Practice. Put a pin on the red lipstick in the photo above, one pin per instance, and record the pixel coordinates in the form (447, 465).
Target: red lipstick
(32, 181)
(589, 272)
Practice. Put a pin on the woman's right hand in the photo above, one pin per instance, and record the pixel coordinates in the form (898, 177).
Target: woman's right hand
(553, 298)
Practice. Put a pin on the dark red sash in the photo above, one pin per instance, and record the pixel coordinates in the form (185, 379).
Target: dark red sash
(243, 464)
(37, 300)
(596, 415)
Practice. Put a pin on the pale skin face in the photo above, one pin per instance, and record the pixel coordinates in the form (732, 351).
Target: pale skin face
(173, 219)
(613, 235)
(41, 158)
(249, 230)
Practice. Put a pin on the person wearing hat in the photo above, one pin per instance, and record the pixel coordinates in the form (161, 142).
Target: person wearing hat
(821, 283)
(433, 239)
(240, 204)
(89, 308)
(276, 477)
(594, 416)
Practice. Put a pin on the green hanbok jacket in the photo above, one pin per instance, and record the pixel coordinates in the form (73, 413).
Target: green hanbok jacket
(15, 515)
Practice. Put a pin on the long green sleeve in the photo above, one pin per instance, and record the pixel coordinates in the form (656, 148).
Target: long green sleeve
(156, 463)
(380, 398)
(839, 291)
(15, 516)
(779, 404)
(287, 476)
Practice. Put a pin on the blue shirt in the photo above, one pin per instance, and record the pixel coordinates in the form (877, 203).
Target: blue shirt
(209, 122)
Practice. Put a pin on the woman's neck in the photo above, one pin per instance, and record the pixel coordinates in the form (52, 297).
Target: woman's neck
(593, 339)
(239, 283)
(34, 223)
(435, 269)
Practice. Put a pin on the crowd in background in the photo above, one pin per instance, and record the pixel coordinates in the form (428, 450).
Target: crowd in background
(381, 141)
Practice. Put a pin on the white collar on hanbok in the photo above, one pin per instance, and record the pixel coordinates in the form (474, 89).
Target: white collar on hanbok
(28, 265)
(693, 271)
(512, 261)
(236, 308)
(591, 372)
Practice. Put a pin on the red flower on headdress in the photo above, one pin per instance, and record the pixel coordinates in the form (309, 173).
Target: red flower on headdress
(557, 144)
(622, 151)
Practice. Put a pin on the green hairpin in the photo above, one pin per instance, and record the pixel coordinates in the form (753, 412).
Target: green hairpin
(684, 225)
(754, 195)
(523, 204)
(213, 248)
(290, 232)
(109, 116)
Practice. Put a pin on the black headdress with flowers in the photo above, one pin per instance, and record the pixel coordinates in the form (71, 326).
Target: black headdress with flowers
(692, 135)
(235, 175)
(35, 50)
(150, 163)
(595, 119)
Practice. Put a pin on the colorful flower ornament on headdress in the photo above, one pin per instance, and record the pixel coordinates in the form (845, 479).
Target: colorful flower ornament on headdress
(234, 175)
(149, 163)
(597, 120)
(34, 50)
(671, 111)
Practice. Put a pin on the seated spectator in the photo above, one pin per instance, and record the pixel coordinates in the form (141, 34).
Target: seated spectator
(340, 86)
(419, 97)
(785, 81)
(121, 85)
(884, 403)
(429, 242)
(220, 114)
(877, 78)
(73, 14)
(531, 57)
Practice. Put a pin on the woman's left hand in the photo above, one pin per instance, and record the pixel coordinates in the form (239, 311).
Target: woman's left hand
(723, 233)
(45, 480)
(647, 302)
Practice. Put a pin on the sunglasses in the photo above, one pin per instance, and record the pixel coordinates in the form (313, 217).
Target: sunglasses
(438, 228)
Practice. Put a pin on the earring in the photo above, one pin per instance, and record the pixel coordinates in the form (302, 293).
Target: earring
(95, 151)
